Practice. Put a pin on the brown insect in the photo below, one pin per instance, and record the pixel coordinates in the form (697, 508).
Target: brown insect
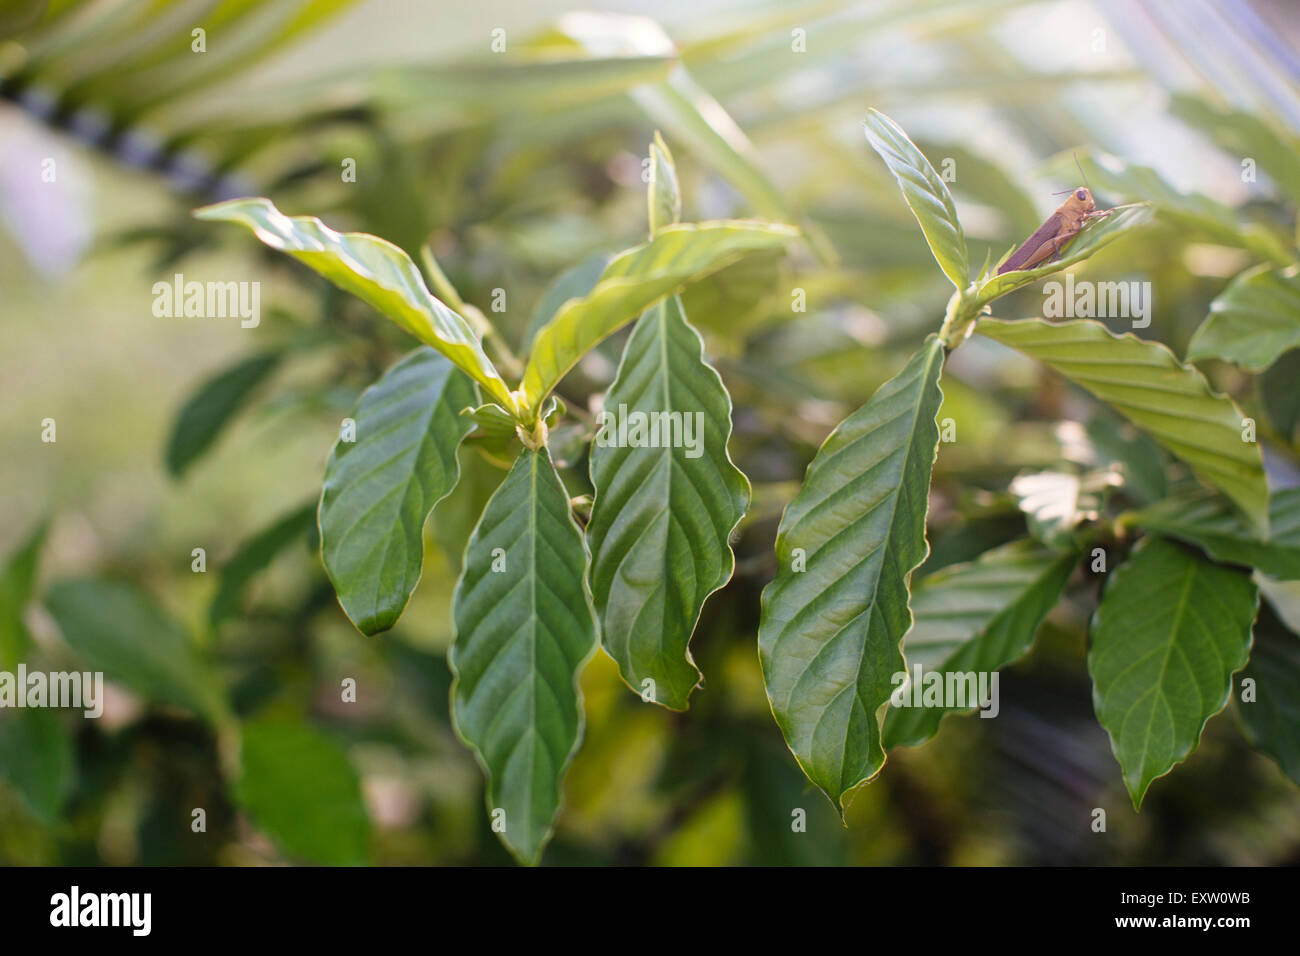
(1052, 236)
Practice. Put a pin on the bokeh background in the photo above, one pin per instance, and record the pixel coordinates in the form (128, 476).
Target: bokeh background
(517, 166)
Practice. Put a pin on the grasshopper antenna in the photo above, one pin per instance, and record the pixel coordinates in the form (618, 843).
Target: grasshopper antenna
(1081, 172)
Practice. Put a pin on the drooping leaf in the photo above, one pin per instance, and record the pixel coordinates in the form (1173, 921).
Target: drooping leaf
(375, 271)
(834, 618)
(37, 757)
(1272, 719)
(298, 786)
(524, 629)
(662, 514)
(1095, 236)
(1253, 321)
(379, 490)
(1171, 630)
(16, 583)
(254, 555)
(1143, 380)
(975, 619)
(635, 280)
(1210, 522)
(118, 630)
(926, 195)
(212, 406)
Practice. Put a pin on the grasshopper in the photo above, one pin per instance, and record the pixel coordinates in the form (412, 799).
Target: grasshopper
(1052, 236)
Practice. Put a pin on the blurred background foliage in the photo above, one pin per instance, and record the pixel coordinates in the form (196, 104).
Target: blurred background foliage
(522, 168)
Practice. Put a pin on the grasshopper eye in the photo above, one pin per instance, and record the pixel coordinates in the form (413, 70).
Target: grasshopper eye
(1081, 195)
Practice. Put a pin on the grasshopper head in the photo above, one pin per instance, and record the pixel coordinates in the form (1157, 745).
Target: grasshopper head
(1081, 200)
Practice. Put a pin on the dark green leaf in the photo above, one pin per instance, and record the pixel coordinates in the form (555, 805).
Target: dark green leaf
(212, 406)
(16, 583)
(254, 555)
(37, 756)
(1210, 522)
(379, 490)
(1254, 320)
(834, 618)
(1272, 720)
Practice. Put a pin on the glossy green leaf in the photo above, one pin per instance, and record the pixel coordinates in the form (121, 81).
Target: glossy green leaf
(976, 618)
(37, 756)
(834, 618)
(634, 281)
(1271, 720)
(1170, 401)
(662, 515)
(375, 271)
(118, 630)
(1094, 237)
(253, 557)
(926, 195)
(1210, 522)
(212, 406)
(298, 786)
(1253, 321)
(524, 629)
(1171, 630)
(16, 583)
(379, 490)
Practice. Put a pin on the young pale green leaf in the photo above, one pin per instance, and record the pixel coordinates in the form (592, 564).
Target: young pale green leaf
(834, 618)
(1254, 320)
(926, 195)
(1210, 522)
(16, 583)
(1271, 717)
(1109, 175)
(634, 281)
(1143, 380)
(1095, 236)
(665, 504)
(1171, 630)
(298, 786)
(976, 618)
(254, 555)
(212, 406)
(379, 490)
(375, 271)
(664, 196)
(525, 627)
(116, 629)
(37, 756)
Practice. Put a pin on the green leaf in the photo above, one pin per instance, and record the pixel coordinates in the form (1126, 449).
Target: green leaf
(976, 618)
(1101, 233)
(1210, 522)
(1243, 134)
(574, 283)
(1111, 175)
(298, 786)
(1140, 458)
(1253, 321)
(212, 406)
(37, 756)
(253, 556)
(16, 583)
(379, 490)
(1278, 392)
(926, 196)
(1143, 380)
(634, 281)
(1272, 720)
(524, 629)
(664, 195)
(834, 618)
(662, 515)
(1170, 632)
(375, 271)
(116, 629)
